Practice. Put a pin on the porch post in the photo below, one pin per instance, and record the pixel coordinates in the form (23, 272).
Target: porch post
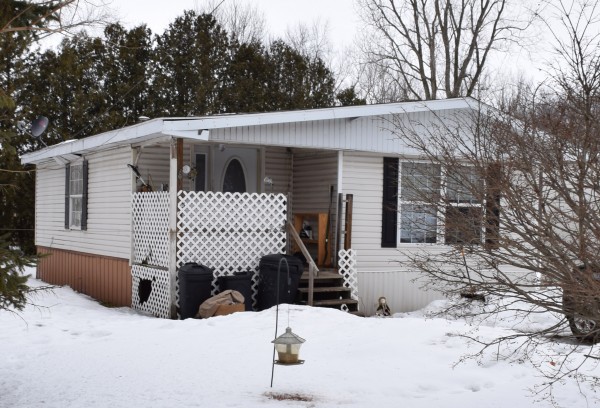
(173, 184)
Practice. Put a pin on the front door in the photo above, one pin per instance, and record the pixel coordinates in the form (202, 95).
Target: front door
(235, 169)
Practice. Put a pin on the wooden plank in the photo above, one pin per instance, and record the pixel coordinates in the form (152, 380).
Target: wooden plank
(348, 236)
(326, 289)
(335, 302)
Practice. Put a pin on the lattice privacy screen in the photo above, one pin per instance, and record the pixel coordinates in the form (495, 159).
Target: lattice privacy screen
(347, 268)
(230, 232)
(150, 291)
(150, 216)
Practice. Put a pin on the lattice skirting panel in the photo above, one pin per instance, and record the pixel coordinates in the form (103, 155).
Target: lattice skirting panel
(347, 268)
(150, 219)
(150, 290)
(230, 232)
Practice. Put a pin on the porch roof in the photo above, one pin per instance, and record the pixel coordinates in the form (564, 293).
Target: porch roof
(198, 128)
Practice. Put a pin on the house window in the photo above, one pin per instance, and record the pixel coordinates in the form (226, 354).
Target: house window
(419, 187)
(462, 225)
(418, 224)
(460, 187)
(76, 196)
(432, 206)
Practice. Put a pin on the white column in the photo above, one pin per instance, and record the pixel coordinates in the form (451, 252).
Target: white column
(173, 225)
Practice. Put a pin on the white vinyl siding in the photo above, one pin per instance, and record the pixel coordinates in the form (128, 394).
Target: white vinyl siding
(109, 206)
(154, 164)
(382, 271)
(278, 166)
(314, 174)
(368, 134)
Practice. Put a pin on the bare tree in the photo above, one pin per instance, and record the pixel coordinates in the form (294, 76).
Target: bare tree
(313, 41)
(438, 48)
(45, 17)
(379, 86)
(511, 195)
(242, 20)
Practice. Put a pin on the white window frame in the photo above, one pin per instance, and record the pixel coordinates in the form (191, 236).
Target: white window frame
(440, 212)
(75, 196)
(402, 202)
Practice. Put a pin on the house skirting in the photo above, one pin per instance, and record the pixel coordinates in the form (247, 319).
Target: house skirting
(104, 278)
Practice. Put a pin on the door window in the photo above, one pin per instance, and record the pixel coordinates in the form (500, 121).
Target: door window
(234, 180)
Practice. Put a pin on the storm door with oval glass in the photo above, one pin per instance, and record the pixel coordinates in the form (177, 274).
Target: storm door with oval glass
(235, 169)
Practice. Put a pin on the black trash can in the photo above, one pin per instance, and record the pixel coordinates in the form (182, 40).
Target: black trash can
(240, 281)
(195, 286)
(267, 282)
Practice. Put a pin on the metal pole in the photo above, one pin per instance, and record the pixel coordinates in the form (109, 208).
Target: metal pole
(277, 310)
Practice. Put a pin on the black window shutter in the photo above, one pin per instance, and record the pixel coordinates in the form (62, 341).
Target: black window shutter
(67, 178)
(389, 219)
(84, 198)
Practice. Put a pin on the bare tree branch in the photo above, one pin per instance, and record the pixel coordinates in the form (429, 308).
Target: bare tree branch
(439, 48)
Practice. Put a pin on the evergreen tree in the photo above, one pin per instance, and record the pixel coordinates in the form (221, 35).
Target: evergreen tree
(67, 87)
(126, 71)
(13, 284)
(16, 182)
(248, 76)
(297, 82)
(190, 64)
(348, 97)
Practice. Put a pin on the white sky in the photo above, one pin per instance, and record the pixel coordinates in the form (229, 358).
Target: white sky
(340, 15)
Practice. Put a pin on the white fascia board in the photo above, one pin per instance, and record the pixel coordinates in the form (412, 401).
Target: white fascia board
(189, 132)
(140, 132)
(346, 112)
(195, 128)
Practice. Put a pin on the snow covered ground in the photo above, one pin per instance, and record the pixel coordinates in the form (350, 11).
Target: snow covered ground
(72, 352)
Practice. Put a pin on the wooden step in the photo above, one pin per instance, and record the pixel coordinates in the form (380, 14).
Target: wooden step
(325, 289)
(334, 302)
(323, 275)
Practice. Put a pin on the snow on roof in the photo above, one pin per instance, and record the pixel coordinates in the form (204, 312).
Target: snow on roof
(196, 127)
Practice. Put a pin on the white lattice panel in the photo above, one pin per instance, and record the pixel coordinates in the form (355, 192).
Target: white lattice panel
(347, 268)
(230, 232)
(154, 290)
(150, 218)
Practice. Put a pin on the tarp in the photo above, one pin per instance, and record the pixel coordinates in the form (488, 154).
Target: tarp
(210, 305)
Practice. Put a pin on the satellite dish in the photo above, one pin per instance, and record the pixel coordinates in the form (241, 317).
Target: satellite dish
(39, 126)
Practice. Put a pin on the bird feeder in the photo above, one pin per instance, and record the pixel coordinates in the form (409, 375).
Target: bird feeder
(288, 348)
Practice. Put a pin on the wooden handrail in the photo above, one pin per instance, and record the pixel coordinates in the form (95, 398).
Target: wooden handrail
(312, 267)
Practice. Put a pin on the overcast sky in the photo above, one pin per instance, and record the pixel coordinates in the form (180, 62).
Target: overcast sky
(340, 15)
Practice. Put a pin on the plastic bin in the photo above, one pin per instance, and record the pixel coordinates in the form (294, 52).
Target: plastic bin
(240, 281)
(195, 286)
(267, 283)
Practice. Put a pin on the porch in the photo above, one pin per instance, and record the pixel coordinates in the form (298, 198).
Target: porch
(233, 205)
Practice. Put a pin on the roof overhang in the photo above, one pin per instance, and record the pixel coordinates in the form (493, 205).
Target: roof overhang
(198, 128)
